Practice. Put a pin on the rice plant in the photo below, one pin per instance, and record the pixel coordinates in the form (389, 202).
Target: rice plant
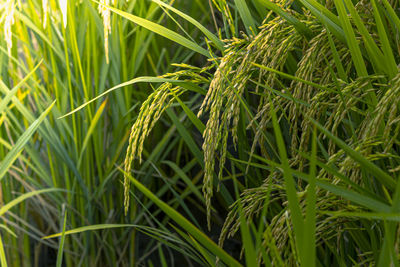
(221, 133)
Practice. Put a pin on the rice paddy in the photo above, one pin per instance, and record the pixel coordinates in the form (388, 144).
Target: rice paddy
(199, 133)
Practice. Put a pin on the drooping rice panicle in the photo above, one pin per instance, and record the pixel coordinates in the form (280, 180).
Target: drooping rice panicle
(150, 112)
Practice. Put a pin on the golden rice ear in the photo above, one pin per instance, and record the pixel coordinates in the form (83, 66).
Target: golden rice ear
(45, 4)
(270, 47)
(106, 14)
(9, 21)
(149, 114)
(63, 7)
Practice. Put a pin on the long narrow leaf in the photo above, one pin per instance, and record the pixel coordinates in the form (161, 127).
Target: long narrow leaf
(218, 43)
(161, 30)
(375, 170)
(3, 259)
(23, 197)
(12, 155)
(185, 224)
(246, 16)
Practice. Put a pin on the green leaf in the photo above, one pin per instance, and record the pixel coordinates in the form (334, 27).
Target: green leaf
(92, 126)
(13, 154)
(185, 224)
(392, 14)
(395, 217)
(326, 17)
(373, 50)
(365, 163)
(360, 199)
(246, 16)
(309, 252)
(249, 251)
(351, 40)
(290, 185)
(23, 197)
(90, 228)
(387, 50)
(210, 260)
(161, 30)
(61, 244)
(3, 259)
(8, 230)
(217, 42)
(292, 77)
(4, 101)
(133, 81)
(300, 26)
(185, 178)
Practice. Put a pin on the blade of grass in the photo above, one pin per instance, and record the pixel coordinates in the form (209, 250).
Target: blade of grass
(217, 42)
(351, 40)
(193, 118)
(387, 256)
(200, 250)
(161, 30)
(8, 230)
(90, 228)
(292, 77)
(392, 14)
(380, 175)
(326, 17)
(203, 252)
(394, 217)
(92, 126)
(387, 50)
(249, 250)
(246, 16)
(197, 152)
(23, 197)
(29, 23)
(4, 101)
(348, 194)
(185, 224)
(246, 237)
(294, 205)
(375, 54)
(12, 155)
(131, 82)
(354, 47)
(309, 253)
(300, 27)
(185, 178)
(62, 240)
(331, 169)
(3, 259)
(338, 63)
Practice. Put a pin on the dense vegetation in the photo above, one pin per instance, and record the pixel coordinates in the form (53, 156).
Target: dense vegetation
(196, 133)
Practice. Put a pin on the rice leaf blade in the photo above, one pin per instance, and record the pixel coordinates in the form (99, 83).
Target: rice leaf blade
(25, 196)
(13, 154)
(161, 30)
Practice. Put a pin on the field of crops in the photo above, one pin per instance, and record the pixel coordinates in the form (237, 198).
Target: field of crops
(199, 133)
